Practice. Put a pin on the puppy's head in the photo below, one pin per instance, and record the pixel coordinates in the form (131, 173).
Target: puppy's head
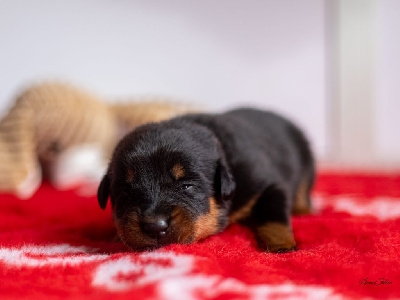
(168, 183)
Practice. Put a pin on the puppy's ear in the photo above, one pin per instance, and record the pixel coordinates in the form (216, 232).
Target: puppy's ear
(103, 191)
(224, 182)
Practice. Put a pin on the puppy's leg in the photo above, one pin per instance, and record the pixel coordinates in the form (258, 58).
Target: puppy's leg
(302, 202)
(271, 216)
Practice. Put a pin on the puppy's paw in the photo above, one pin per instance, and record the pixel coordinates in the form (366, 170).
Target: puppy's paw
(278, 248)
(282, 250)
(276, 238)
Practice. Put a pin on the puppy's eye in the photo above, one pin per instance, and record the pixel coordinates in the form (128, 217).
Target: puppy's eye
(186, 186)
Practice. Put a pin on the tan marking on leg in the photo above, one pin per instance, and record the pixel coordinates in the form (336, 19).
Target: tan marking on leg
(178, 171)
(301, 204)
(244, 211)
(275, 237)
(130, 176)
(207, 224)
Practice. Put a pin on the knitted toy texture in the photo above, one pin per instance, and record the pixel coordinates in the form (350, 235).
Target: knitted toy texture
(67, 135)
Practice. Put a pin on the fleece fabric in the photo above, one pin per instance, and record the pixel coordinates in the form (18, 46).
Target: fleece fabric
(58, 245)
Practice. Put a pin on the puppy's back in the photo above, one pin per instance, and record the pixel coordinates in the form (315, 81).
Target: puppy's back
(261, 147)
(249, 131)
(272, 129)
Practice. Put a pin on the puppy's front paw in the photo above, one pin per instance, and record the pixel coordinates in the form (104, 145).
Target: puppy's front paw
(284, 250)
(276, 238)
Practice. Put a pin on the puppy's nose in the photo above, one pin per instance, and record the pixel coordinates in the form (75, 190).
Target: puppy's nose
(155, 228)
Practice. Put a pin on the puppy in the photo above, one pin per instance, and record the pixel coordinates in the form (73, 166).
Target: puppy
(182, 180)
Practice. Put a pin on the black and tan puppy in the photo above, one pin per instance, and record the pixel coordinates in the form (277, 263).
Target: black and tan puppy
(185, 179)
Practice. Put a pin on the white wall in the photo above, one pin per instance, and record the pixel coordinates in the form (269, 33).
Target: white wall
(387, 104)
(268, 53)
(352, 43)
(364, 89)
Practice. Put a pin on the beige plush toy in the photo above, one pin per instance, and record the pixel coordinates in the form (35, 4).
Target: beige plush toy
(67, 134)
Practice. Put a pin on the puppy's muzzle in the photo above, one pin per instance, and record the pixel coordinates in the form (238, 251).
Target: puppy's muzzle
(155, 227)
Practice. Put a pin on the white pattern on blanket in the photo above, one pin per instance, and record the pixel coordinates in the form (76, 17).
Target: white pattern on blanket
(172, 274)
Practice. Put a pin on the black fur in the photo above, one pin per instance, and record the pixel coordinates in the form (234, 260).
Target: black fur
(231, 157)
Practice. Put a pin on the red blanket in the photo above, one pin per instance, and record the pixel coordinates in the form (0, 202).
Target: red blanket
(59, 245)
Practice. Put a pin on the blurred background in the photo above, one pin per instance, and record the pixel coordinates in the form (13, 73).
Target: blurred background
(332, 66)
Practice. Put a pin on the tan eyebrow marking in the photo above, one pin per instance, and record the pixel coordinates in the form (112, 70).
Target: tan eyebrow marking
(178, 171)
